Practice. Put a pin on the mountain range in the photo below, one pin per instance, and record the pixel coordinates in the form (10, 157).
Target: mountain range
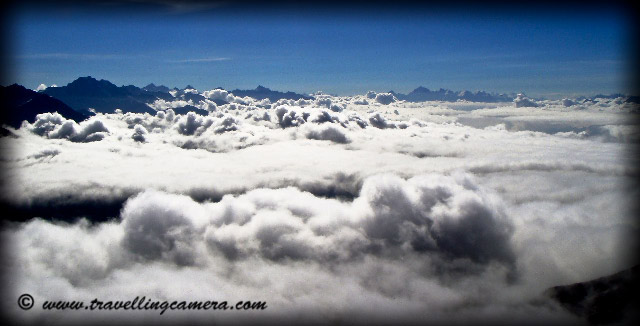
(87, 93)
(422, 94)
(261, 92)
(86, 96)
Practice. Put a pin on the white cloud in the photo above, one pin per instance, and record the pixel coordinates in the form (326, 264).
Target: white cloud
(327, 132)
(385, 98)
(438, 211)
(139, 133)
(192, 123)
(213, 59)
(522, 101)
(55, 126)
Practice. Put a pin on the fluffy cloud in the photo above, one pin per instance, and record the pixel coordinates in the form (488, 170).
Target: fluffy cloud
(219, 94)
(225, 96)
(161, 104)
(328, 132)
(522, 101)
(289, 117)
(379, 121)
(427, 215)
(139, 133)
(439, 211)
(192, 123)
(55, 126)
(385, 98)
(432, 219)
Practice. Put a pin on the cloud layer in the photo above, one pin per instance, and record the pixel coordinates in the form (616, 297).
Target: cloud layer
(336, 208)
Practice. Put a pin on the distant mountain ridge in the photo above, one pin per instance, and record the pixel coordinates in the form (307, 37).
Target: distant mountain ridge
(422, 94)
(153, 88)
(20, 103)
(87, 93)
(75, 100)
(262, 92)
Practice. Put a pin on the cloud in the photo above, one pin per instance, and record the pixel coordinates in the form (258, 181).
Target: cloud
(400, 243)
(192, 123)
(139, 133)
(161, 104)
(161, 227)
(435, 211)
(212, 59)
(55, 126)
(220, 94)
(328, 132)
(522, 101)
(289, 117)
(385, 98)
(226, 124)
(433, 217)
(379, 121)
(73, 56)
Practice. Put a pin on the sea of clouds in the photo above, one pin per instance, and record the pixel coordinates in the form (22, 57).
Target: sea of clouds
(336, 209)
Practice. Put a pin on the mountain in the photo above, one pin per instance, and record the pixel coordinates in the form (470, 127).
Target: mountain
(633, 99)
(190, 108)
(422, 94)
(262, 92)
(605, 300)
(103, 96)
(20, 104)
(153, 88)
(609, 96)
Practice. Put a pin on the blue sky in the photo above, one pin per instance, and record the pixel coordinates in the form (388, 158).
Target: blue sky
(342, 51)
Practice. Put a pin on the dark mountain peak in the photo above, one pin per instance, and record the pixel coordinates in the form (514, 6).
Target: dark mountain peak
(421, 89)
(90, 81)
(606, 300)
(16, 95)
(424, 94)
(16, 88)
(90, 85)
(633, 99)
(262, 92)
(25, 104)
(85, 79)
(103, 96)
(159, 88)
(610, 96)
(189, 87)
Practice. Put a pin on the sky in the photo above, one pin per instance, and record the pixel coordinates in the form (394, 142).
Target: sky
(339, 50)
